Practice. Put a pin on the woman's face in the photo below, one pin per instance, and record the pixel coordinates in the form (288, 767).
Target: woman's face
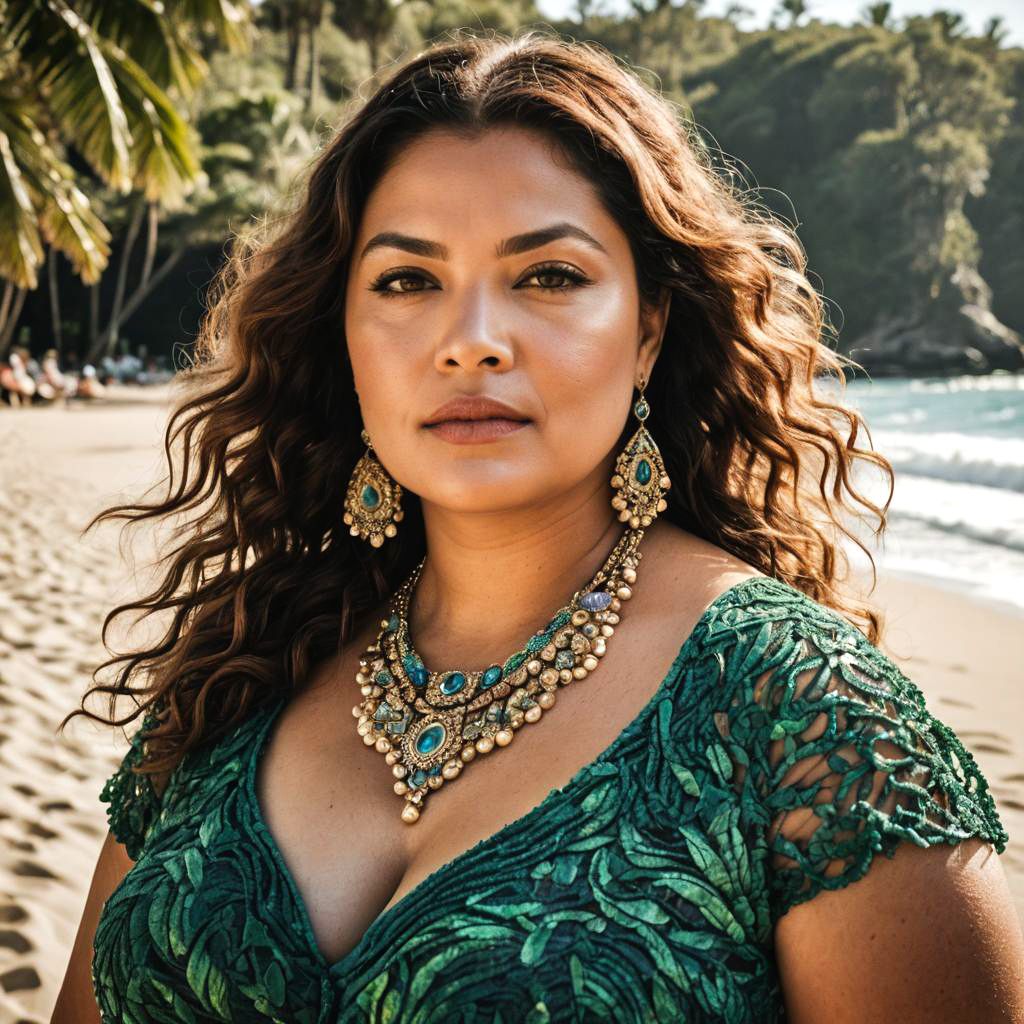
(486, 268)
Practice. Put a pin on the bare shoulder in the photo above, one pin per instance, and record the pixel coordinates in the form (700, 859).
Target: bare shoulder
(929, 935)
(690, 568)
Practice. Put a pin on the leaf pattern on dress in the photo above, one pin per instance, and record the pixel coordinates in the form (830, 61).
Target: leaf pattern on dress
(644, 890)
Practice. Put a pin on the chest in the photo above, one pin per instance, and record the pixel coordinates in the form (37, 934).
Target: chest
(329, 803)
(624, 894)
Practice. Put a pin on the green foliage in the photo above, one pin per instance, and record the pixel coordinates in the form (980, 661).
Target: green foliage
(433, 19)
(878, 139)
(896, 150)
(102, 82)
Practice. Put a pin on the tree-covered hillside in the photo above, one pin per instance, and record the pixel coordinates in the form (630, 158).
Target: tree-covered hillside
(136, 138)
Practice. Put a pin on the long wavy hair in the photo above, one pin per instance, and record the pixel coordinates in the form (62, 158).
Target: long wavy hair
(267, 580)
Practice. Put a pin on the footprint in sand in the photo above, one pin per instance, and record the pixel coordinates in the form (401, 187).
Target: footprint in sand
(955, 703)
(19, 979)
(41, 831)
(987, 742)
(14, 941)
(30, 869)
(12, 914)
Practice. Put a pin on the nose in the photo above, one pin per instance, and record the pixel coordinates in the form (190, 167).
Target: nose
(477, 334)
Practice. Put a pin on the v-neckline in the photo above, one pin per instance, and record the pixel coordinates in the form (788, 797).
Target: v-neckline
(339, 967)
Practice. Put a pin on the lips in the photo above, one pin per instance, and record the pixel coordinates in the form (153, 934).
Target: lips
(474, 407)
(475, 431)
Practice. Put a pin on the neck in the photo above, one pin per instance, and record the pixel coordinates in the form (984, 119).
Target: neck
(492, 579)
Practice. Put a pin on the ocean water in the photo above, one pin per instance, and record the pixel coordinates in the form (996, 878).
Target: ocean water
(957, 448)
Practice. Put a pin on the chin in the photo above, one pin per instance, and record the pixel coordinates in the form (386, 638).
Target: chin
(484, 492)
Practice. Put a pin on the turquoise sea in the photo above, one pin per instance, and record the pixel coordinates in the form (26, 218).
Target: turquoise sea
(957, 446)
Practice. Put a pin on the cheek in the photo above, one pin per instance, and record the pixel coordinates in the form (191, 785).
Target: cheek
(586, 371)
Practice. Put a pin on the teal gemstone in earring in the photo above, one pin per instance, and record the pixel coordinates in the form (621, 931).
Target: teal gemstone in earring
(643, 472)
(642, 409)
(370, 497)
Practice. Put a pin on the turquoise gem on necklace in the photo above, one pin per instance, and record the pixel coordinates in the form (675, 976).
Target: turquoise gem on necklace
(431, 739)
(452, 683)
(418, 777)
(370, 496)
(415, 670)
(490, 677)
(643, 472)
(538, 641)
(565, 659)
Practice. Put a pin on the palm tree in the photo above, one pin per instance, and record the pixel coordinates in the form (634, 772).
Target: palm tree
(103, 81)
(369, 20)
(995, 30)
(299, 20)
(796, 9)
(951, 24)
(877, 14)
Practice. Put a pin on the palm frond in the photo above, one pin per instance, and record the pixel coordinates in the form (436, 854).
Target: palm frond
(66, 61)
(163, 152)
(60, 211)
(226, 19)
(20, 248)
(142, 29)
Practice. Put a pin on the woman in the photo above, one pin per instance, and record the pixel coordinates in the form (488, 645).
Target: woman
(53, 376)
(16, 380)
(513, 418)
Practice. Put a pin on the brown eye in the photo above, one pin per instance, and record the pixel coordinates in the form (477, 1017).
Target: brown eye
(557, 271)
(380, 285)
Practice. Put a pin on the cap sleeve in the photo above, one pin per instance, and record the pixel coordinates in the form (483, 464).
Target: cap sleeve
(133, 799)
(849, 761)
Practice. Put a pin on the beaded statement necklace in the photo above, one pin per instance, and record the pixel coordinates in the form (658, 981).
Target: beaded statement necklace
(429, 725)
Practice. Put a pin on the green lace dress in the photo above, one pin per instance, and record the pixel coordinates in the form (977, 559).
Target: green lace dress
(644, 889)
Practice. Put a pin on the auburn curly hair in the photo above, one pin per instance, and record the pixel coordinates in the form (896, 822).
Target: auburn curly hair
(267, 580)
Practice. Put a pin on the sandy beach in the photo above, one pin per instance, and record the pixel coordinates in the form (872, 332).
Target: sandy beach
(59, 466)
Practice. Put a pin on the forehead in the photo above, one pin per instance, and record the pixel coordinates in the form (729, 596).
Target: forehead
(505, 178)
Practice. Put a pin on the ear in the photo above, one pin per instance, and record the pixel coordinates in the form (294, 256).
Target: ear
(653, 321)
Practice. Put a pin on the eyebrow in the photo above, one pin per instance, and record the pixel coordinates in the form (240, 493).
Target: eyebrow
(506, 247)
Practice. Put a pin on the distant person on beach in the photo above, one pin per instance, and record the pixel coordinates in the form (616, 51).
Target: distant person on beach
(15, 380)
(508, 669)
(45, 391)
(89, 385)
(53, 376)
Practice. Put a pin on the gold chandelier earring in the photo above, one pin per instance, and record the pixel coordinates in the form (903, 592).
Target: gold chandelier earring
(640, 479)
(373, 498)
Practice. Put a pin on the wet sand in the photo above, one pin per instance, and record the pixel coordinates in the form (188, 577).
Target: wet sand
(58, 467)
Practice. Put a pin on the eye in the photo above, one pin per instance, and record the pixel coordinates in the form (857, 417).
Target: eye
(556, 270)
(546, 270)
(381, 283)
